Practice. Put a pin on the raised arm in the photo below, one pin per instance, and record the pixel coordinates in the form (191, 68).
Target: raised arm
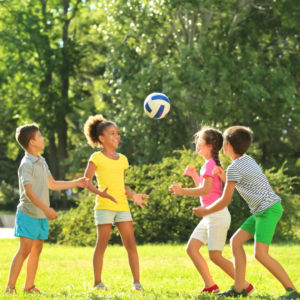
(203, 190)
(219, 204)
(48, 211)
(89, 173)
(220, 172)
(190, 171)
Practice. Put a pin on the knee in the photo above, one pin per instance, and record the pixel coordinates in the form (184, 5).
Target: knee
(259, 255)
(37, 249)
(24, 252)
(235, 243)
(130, 246)
(214, 257)
(188, 249)
(191, 249)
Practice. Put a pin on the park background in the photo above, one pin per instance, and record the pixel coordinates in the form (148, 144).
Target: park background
(222, 63)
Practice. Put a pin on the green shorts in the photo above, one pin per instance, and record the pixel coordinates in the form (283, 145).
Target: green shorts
(262, 226)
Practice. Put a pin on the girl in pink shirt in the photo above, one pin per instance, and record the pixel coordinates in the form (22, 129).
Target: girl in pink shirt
(212, 229)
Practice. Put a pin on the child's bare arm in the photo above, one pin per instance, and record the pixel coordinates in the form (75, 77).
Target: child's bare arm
(220, 172)
(89, 173)
(203, 190)
(219, 204)
(48, 211)
(190, 171)
(64, 185)
(137, 198)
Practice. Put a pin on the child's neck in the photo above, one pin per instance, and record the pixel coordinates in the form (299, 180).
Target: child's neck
(208, 156)
(234, 156)
(34, 152)
(108, 151)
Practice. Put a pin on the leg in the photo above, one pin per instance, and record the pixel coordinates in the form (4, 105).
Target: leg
(239, 257)
(192, 250)
(127, 235)
(275, 268)
(103, 233)
(225, 264)
(32, 262)
(18, 260)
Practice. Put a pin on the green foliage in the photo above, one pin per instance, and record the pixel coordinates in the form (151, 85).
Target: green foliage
(169, 219)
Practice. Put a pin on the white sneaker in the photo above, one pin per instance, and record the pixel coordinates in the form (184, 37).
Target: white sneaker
(101, 286)
(138, 287)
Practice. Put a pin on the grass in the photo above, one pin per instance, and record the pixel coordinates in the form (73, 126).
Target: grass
(166, 272)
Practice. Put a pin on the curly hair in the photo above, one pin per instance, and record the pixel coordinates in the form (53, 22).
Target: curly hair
(93, 127)
(212, 137)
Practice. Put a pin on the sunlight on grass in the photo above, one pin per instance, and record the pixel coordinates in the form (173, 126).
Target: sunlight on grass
(166, 272)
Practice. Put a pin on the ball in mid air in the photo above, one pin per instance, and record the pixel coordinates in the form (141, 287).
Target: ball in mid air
(157, 105)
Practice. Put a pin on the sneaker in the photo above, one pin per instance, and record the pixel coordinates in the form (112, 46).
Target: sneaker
(233, 293)
(100, 286)
(212, 289)
(250, 289)
(290, 294)
(138, 287)
(10, 290)
(33, 289)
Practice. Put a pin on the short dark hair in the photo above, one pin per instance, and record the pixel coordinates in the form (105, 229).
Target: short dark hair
(25, 133)
(239, 137)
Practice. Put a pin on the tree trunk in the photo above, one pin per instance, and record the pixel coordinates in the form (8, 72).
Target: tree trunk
(53, 157)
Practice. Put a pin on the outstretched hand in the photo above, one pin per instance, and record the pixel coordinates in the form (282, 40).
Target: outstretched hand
(105, 194)
(220, 172)
(190, 171)
(176, 189)
(82, 182)
(137, 199)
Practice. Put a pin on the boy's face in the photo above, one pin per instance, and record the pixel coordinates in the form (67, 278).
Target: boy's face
(38, 141)
(111, 136)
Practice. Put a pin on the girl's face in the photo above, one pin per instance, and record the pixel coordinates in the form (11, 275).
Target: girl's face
(203, 148)
(111, 136)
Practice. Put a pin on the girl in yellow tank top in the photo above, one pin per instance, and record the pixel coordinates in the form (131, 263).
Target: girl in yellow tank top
(111, 200)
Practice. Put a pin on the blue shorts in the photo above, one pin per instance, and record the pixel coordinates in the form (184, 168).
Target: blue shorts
(30, 227)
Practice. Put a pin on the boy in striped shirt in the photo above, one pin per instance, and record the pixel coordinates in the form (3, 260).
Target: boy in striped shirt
(245, 175)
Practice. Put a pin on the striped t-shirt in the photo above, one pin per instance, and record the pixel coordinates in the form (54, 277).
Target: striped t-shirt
(252, 184)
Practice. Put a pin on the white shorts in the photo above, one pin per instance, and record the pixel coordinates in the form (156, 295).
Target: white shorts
(212, 229)
(106, 216)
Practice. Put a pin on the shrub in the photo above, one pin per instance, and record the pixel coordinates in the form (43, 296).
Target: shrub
(168, 218)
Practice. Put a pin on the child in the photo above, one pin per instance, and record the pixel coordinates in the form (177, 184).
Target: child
(110, 168)
(245, 175)
(213, 228)
(32, 225)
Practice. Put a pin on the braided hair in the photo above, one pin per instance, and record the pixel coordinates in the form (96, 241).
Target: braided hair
(93, 127)
(212, 137)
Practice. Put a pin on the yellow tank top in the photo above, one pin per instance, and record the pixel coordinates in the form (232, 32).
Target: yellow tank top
(110, 173)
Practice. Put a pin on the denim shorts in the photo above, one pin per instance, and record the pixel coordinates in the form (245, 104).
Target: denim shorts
(106, 216)
(34, 229)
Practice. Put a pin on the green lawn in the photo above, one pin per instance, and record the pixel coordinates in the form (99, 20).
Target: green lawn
(166, 272)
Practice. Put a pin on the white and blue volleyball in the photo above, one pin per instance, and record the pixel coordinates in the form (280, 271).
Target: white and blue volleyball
(157, 105)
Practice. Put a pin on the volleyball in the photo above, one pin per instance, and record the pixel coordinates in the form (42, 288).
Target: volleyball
(157, 105)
